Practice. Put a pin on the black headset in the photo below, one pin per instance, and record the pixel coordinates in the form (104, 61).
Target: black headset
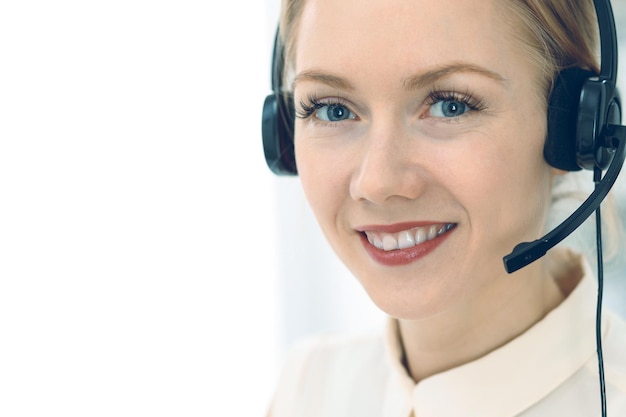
(584, 132)
(582, 106)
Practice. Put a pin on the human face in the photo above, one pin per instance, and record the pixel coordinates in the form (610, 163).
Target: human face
(419, 121)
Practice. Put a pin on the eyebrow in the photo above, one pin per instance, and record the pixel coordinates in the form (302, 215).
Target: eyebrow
(412, 83)
(421, 80)
(330, 80)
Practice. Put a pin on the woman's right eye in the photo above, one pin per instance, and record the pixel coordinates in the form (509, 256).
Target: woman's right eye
(333, 111)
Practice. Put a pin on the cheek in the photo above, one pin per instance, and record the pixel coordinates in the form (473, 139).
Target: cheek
(322, 180)
(507, 187)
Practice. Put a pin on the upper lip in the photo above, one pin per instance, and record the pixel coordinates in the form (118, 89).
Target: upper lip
(397, 227)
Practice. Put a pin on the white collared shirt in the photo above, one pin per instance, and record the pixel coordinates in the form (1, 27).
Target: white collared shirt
(550, 370)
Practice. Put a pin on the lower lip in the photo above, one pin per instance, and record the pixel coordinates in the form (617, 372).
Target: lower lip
(401, 257)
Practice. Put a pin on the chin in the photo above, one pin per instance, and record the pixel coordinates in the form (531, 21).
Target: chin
(412, 300)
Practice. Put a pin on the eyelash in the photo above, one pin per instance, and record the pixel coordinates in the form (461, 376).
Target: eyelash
(473, 103)
(313, 103)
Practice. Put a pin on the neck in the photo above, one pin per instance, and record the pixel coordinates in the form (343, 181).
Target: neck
(502, 311)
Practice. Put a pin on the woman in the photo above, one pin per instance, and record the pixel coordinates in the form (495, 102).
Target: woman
(419, 141)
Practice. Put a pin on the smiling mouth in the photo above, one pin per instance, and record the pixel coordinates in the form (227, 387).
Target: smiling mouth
(406, 239)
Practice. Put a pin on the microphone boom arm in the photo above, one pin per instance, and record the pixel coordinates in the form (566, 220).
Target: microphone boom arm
(528, 252)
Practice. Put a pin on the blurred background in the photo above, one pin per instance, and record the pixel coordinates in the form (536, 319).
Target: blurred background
(150, 264)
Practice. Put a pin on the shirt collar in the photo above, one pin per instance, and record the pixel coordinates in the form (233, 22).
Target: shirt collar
(511, 378)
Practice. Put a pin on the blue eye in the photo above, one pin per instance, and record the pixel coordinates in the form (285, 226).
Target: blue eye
(330, 110)
(451, 104)
(448, 108)
(334, 113)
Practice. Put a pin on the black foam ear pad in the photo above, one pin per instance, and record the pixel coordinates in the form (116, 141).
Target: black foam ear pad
(278, 119)
(560, 149)
(278, 135)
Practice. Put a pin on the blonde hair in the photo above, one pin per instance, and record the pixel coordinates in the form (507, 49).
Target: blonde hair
(556, 34)
(288, 26)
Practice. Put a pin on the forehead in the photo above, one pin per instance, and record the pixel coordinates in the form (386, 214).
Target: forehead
(392, 39)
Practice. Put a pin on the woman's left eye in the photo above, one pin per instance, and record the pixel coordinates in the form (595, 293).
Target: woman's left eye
(448, 108)
(452, 104)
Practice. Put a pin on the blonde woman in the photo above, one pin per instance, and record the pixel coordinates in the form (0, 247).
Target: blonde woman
(419, 140)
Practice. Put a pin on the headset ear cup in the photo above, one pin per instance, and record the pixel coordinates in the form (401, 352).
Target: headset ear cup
(599, 108)
(278, 119)
(277, 133)
(560, 149)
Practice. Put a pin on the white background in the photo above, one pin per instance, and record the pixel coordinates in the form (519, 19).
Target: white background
(150, 264)
(137, 255)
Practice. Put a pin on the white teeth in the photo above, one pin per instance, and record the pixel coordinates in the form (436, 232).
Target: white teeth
(407, 238)
(420, 236)
(390, 243)
(374, 240)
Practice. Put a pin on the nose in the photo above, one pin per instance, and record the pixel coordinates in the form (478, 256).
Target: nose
(389, 166)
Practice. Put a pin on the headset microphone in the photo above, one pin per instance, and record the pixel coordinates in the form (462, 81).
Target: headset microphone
(584, 117)
(528, 252)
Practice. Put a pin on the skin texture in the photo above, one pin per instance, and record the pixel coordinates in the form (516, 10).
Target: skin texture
(393, 157)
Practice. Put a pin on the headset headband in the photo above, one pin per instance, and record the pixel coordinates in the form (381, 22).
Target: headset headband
(581, 107)
(608, 40)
